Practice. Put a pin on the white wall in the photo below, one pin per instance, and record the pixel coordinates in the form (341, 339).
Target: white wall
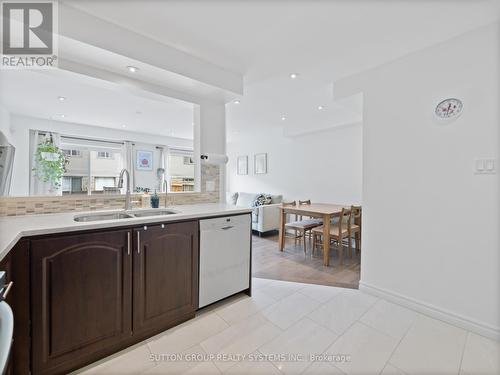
(430, 225)
(5, 123)
(325, 166)
(21, 125)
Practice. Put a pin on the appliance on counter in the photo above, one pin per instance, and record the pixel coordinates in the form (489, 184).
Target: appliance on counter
(225, 245)
(6, 164)
(6, 324)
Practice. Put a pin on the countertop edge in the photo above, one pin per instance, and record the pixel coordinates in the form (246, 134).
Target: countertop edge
(82, 226)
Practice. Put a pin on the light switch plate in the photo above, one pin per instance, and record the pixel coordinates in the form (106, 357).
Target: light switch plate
(485, 166)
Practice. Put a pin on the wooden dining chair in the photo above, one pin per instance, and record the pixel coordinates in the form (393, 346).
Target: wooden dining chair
(344, 228)
(288, 216)
(302, 227)
(356, 226)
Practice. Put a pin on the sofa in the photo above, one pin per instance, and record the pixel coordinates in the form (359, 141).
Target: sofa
(265, 218)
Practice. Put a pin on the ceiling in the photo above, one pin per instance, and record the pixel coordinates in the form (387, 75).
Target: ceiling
(92, 102)
(320, 40)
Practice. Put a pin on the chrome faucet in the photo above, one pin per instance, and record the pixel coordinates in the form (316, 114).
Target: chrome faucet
(128, 202)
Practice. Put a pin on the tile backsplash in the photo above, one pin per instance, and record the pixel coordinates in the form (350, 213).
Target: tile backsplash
(18, 206)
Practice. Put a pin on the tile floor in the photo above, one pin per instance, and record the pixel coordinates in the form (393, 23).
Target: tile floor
(284, 324)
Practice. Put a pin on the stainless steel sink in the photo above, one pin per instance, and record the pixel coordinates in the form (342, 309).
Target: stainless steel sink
(153, 212)
(122, 215)
(103, 216)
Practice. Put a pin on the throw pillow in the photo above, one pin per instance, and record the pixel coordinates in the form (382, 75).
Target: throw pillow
(261, 200)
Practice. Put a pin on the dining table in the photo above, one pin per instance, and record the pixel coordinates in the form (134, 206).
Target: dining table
(325, 211)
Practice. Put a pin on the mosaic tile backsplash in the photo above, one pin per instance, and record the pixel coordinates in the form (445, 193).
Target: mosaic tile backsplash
(18, 206)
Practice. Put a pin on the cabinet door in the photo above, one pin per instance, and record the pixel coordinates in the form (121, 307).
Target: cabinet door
(15, 265)
(81, 298)
(165, 276)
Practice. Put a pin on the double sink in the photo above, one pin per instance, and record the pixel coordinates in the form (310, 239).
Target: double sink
(118, 215)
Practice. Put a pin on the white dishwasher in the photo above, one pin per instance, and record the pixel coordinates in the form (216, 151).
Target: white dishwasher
(225, 244)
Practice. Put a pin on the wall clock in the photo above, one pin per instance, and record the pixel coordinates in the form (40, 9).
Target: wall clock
(449, 108)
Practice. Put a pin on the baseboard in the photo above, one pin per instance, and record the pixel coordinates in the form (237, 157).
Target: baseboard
(433, 311)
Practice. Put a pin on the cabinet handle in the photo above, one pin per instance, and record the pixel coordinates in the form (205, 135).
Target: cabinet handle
(6, 290)
(138, 242)
(228, 227)
(128, 243)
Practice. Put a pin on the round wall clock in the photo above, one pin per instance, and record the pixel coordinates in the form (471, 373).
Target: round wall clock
(449, 108)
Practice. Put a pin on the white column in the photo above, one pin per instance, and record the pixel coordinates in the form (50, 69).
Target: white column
(210, 123)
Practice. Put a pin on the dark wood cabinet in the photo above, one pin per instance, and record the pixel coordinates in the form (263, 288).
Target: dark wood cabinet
(165, 276)
(81, 298)
(94, 293)
(16, 267)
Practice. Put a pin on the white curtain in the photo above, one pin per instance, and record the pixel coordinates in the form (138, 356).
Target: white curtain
(128, 152)
(37, 186)
(163, 164)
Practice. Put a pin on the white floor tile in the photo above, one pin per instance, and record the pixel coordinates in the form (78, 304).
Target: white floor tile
(481, 356)
(322, 368)
(368, 349)
(205, 368)
(430, 347)
(190, 359)
(245, 307)
(131, 362)
(302, 340)
(188, 334)
(389, 318)
(255, 367)
(290, 310)
(300, 319)
(280, 289)
(391, 370)
(258, 283)
(342, 310)
(240, 339)
(320, 293)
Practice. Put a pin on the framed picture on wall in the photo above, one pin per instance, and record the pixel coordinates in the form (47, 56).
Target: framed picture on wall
(144, 161)
(260, 163)
(243, 165)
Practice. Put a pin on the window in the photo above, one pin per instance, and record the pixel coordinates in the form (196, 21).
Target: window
(73, 185)
(188, 160)
(104, 155)
(104, 183)
(73, 153)
(180, 170)
(93, 167)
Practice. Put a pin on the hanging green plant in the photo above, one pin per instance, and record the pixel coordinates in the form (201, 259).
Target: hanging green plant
(50, 163)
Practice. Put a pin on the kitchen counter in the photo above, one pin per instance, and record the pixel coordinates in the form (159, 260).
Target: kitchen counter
(13, 228)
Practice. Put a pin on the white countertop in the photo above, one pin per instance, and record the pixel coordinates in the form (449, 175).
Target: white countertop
(13, 228)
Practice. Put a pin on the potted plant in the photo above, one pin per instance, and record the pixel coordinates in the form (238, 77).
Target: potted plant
(50, 163)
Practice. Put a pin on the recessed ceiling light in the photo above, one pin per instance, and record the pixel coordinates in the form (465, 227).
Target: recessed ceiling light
(124, 126)
(236, 101)
(61, 98)
(294, 75)
(132, 69)
(320, 107)
(283, 118)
